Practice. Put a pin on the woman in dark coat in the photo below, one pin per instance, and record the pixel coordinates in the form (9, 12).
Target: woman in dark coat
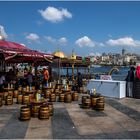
(136, 85)
(79, 81)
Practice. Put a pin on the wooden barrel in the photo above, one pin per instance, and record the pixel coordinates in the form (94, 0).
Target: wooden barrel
(25, 99)
(25, 113)
(86, 103)
(57, 92)
(47, 94)
(9, 100)
(35, 110)
(33, 87)
(15, 95)
(51, 109)
(83, 99)
(1, 102)
(68, 98)
(93, 101)
(61, 97)
(10, 93)
(81, 90)
(39, 91)
(31, 96)
(20, 88)
(19, 99)
(52, 97)
(44, 112)
(100, 105)
(27, 88)
(5, 95)
(52, 90)
(102, 98)
(24, 89)
(58, 86)
(75, 96)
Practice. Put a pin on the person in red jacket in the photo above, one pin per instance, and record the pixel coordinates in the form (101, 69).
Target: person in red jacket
(45, 76)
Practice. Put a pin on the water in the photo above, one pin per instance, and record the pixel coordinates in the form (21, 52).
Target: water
(121, 75)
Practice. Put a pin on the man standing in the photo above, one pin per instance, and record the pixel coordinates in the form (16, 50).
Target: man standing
(45, 76)
(129, 85)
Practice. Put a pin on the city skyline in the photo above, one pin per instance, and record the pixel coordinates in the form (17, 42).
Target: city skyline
(86, 27)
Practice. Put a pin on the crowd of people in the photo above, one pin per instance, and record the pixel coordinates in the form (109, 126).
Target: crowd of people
(24, 77)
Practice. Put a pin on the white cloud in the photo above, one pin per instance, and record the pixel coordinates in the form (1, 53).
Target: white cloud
(126, 41)
(32, 37)
(2, 32)
(55, 15)
(50, 39)
(62, 41)
(100, 44)
(22, 44)
(85, 41)
(95, 54)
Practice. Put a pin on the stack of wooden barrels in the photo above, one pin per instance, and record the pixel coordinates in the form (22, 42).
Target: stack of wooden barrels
(94, 102)
(43, 111)
(68, 97)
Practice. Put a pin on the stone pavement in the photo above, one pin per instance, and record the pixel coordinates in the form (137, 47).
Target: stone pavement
(119, 120)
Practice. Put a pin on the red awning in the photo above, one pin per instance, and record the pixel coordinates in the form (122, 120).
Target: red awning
(12, 45)
(14, 51)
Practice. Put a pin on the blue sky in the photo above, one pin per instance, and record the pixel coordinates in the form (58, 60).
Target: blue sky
(87, 27)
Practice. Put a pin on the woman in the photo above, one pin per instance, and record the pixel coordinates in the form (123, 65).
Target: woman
(136, 85)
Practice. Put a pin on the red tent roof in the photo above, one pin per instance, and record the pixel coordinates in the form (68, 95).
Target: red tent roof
(12, 45)
(11, 48)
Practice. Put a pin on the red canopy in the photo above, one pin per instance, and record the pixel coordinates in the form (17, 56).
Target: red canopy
(14, 52)
(11, 45)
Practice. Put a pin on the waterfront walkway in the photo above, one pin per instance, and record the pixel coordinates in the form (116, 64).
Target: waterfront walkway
(120, 119)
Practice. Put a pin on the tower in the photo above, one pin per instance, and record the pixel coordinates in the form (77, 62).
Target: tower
(123, 52)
